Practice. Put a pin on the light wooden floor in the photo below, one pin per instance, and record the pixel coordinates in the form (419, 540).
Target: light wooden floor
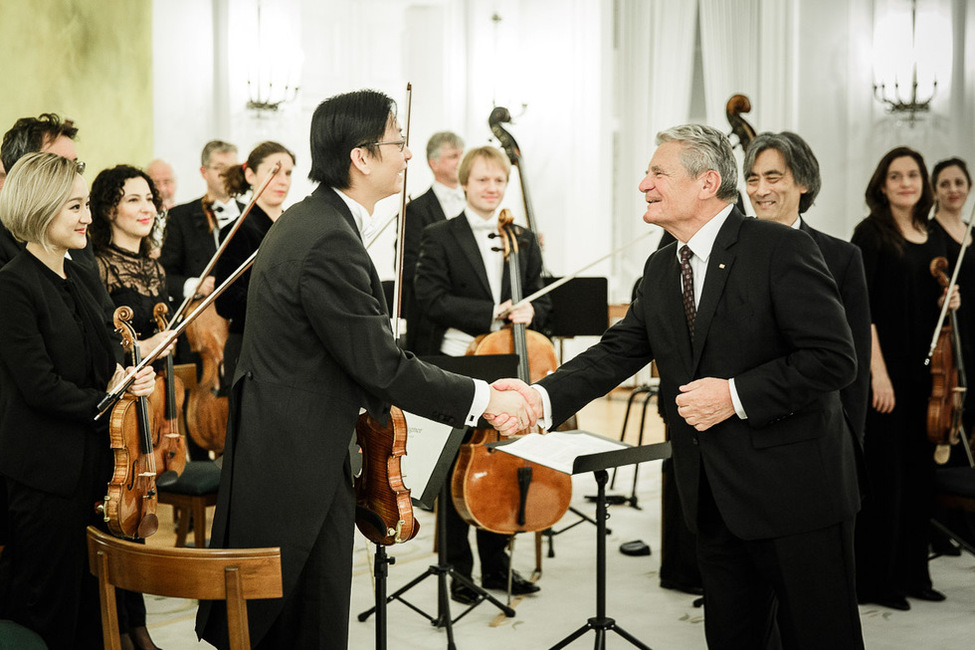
(659, 618)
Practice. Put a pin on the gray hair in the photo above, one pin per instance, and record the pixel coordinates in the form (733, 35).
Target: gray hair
(215, 146)
(799, 158)
(705, 149)
(437, 141)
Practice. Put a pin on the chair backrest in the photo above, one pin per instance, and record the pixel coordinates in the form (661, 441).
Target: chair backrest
(234, 575)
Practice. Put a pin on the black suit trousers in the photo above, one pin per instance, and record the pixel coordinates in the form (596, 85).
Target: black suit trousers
(803, 584)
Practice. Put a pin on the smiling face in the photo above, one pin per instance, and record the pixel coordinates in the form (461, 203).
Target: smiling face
(951, 188)
(671, 193)
(69, 228)
(903, 183)
(485, 187)
(135, 214)
(390, 163)
(772, 189)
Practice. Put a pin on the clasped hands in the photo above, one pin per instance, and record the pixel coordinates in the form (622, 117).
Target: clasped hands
(514, 406)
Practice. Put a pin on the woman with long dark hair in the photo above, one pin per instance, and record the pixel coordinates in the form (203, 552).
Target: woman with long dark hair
(898, 246)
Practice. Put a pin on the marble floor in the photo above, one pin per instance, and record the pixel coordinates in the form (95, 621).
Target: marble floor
(657, 617)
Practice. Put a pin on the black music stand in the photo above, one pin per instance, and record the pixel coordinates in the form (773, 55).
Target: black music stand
(580, 307)
(489, 368)
(598, 464)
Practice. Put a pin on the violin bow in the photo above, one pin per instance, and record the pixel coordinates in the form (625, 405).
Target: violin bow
(401, 238)
(175, 320)
(951, 287)
(558, 283)
(174, 332)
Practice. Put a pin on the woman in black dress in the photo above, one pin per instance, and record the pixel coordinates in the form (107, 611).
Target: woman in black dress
(57, 360)
(124, 205)
(898, 246)
(240, 179)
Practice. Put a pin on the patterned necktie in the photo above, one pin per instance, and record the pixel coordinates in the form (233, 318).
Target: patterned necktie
(687, 283)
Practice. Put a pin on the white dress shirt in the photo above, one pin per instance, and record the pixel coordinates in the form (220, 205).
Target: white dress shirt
(452, 199)
(482, 392)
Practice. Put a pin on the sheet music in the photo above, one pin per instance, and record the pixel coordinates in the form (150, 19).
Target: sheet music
(427, 445)
(559, 449)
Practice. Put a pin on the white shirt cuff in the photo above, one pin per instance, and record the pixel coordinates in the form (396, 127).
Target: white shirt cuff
(545, 422)
(739, 409)
(189, 286)
(482, 396)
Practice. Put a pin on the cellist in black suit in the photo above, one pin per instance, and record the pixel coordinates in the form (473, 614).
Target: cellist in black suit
(318, 349)
(748, 331)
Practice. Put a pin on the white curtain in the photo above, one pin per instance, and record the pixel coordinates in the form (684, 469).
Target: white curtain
(729, 52)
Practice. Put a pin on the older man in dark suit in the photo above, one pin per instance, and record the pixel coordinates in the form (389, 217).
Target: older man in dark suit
(782, 179)
(746, 325)
(317, 350)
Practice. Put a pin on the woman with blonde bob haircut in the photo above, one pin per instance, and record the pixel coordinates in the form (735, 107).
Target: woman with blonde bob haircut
(57, 361)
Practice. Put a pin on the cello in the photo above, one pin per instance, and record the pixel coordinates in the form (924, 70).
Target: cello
(496, 491)
(169, 443)
(740, 128)
(129, 507)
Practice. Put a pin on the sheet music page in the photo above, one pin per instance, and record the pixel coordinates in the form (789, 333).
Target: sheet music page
(559, 449)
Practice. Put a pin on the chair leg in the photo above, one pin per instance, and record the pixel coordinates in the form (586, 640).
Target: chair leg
(957, 538)
(183, 528)
(106, 596)
(200, 523)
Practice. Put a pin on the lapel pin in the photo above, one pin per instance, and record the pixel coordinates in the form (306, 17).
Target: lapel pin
(720, 266)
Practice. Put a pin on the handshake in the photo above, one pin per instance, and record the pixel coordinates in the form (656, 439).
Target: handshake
(514, 406)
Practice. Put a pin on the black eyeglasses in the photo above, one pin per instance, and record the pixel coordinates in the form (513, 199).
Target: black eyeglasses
(399, 143)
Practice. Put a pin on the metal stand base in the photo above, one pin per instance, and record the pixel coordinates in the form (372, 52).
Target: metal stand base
(600, 623)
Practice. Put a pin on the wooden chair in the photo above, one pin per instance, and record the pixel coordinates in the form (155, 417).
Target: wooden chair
(234, 575)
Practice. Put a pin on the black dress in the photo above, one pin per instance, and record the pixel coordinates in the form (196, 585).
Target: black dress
(56, 358)
(892, 527)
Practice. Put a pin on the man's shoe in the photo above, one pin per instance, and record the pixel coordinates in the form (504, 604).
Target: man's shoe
(519, 586)
(461, 593)
(693, 590)
(893, 602)
(929, 594)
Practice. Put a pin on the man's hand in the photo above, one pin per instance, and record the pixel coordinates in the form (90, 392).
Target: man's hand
(705, 402)
(513, 406)
(209, 284)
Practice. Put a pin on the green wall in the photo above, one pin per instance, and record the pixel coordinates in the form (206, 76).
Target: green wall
(89, 60)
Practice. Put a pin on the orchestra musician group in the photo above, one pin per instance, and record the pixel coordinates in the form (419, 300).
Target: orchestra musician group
(776, 344)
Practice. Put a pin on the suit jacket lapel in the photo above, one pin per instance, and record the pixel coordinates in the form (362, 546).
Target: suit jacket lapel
(719, 266)
(468, 246)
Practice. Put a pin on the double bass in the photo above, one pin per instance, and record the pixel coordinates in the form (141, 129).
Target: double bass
(740, 128)
(493, 490)
(129, 507)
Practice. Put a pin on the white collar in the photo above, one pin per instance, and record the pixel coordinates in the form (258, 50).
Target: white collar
(703, 240)
(479, 223)
(363, 220)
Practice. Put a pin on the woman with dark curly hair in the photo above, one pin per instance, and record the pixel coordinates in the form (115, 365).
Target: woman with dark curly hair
(240, 179)
(124, 209)
(905, 299)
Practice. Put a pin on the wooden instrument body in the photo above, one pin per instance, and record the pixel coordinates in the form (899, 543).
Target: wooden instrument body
(947, 401)
(384, 509)
(206, 411)
(168, 436)
(129, 507)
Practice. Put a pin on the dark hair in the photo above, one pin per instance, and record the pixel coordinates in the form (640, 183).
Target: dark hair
(945, 164)
(340, 124)
(880, 206)
(799, 158)
(30, 134)
(234, 178)
(106, 193)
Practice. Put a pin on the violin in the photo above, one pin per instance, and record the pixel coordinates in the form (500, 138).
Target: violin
(948, 384)
(384, 509)
(129, 507)
(740, 128)
(168, 439)
(497, 491)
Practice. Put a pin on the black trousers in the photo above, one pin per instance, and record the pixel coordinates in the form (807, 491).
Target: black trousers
(801, 584)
